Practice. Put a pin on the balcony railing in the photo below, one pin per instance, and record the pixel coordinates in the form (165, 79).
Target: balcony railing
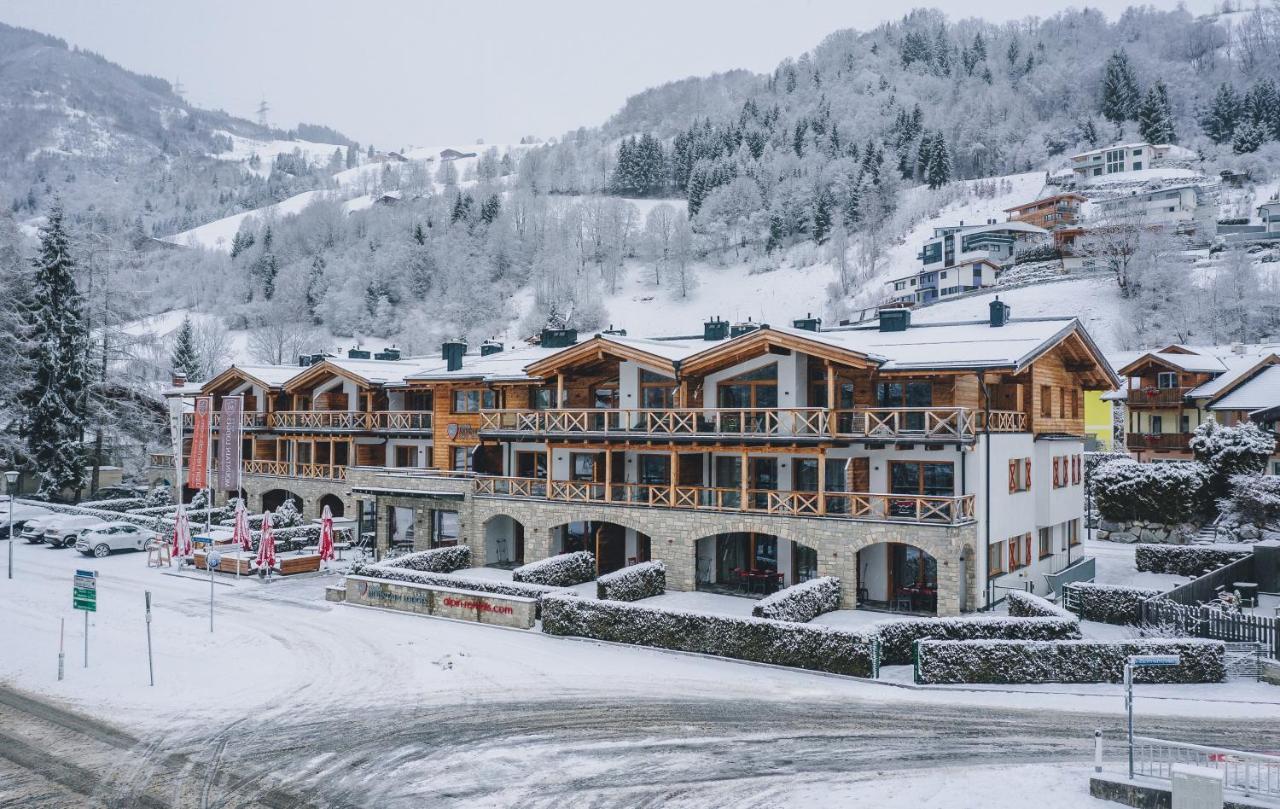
(248, 421)
(1159, 441)
(1002, 421)
(846, 505)
(161, 460)
(351, 420)
(956, 423)
(1156, 397)
(292, 469)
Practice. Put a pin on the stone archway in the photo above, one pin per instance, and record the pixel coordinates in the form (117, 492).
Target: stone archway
(503, 541)
(751, 562)
(336, 506)
(899, 577)
(272, 499)
(615, 545)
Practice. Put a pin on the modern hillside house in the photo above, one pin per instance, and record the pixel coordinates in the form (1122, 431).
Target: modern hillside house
(1123, 157)
(1059, 214)
(1183, 207)
(1175, 389)
(1269, 213)
(963, 258)
(927, 466)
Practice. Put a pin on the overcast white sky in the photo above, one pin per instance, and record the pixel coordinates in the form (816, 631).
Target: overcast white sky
(426, 72)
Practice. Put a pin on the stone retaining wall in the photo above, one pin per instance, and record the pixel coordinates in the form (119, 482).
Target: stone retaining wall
(1131, 531)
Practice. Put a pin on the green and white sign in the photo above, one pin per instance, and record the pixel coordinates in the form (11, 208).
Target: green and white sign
(84, 590)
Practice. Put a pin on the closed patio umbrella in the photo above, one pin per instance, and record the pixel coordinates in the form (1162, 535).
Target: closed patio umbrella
(240, 535)
(326, 535)
(181, 534)
(266, 545)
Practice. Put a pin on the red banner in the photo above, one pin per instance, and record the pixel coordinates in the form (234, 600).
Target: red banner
(196, 472)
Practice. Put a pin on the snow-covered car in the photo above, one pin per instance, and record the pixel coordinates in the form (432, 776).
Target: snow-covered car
(22, 513)
(64, 529)
(33, 530)
(100, 540)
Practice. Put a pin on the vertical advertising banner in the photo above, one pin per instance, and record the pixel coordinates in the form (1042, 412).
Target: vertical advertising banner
(231, 445)
(196, 477)
(175, 436)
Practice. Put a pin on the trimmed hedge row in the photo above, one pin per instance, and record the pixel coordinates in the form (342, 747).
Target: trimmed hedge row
(1111, 603)
(897, 638)
(436, 560)
(1073, 661)
(802, 602)
(1186, 560)
(564, 570)
(497, 586)
(1029, 605)
(118, 505)
(645, 580)
(817, 648)
(1155, 492)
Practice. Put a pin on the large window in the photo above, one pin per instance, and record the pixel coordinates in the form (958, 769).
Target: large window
(1166, 380)
(657, 392)
(922, 478)
(582, 466)
(932, 253)
(907, 393)
(474, 400)
(756, 389)
(463, 458)
(531, 464)
(655, 470)
(444, 528)
(1046, 542)
(406, 456)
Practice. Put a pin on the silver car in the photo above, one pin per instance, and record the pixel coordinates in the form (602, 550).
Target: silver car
(100, 540)
(63, 530)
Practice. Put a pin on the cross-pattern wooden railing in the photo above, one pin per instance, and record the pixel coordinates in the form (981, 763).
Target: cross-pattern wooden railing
(352, 420)
(248, 421)
(1156, 397)
(1002, 421)
(290, 469)
(849, 505)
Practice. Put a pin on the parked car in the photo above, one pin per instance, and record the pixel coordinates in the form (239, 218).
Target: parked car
(33, 530)
(100, 540)
(21, 514)
(62, 532)
(120, 492)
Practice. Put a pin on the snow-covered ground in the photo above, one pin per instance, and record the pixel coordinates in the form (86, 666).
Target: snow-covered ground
(243, 148)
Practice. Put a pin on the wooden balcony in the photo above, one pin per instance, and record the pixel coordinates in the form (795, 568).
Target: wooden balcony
(248, 421)
(291, 469)
(351, 420)
(843, 505)
(911, 423)
(1156, 397)
(160, 460)
(1161, 442)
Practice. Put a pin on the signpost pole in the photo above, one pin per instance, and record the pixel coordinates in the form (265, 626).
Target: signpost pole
(212, 559)
(84, 597)
(1128, 708)
(62, 636)
(86, 639)
(151, 670)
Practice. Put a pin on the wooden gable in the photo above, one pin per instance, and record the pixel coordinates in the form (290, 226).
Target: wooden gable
(321, 372)
(592, 355)
(763, 341)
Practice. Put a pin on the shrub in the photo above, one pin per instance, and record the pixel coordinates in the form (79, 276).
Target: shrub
(1254, 499)
(801, 603)
(1241, 449)
(1111, 603)
(819, 648)
(116, 505)
(1029, 605)
(645, 580)
(1164, 493)
(159, 496)
(497, 586)
(564, 570)
(436, 560)
(1186, 560)
(898, 637)
(1003, 661)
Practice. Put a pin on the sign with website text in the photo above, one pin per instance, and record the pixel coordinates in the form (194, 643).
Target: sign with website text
(196, 477)
(232, 445)
(84, 590)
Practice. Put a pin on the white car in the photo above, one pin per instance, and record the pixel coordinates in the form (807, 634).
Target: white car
(21, 514)
(33, 530)
(100, 540)
(63, 530)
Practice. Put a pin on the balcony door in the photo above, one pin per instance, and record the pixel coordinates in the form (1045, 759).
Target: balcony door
(919, 479)
(907, 393)
(754, 391)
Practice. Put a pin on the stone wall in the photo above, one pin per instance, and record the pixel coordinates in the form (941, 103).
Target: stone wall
(255, 486)
(1131, 531)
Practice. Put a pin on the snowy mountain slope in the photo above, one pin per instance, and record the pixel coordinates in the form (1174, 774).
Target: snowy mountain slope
(243, 148)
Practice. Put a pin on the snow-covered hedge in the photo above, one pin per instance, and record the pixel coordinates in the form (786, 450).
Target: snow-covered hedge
(385, 571)
(801, 602)
(1253, 499)
(1111, 603)
(645, 580)
(898, 637)
(117, 505)
(1166, 493)
(1073, 661)
(1029, 605)
(564, 570)
(819, 648)
(152, 523)
(1186, 560)
(436, 560)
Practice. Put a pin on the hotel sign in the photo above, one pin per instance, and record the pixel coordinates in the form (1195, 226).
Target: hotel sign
(456, 430)
(442, 602)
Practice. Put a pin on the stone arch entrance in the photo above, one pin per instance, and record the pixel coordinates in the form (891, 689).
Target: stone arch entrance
(899, 577)
(274, 498)
(336, 507)
(751, 562)
(615, 545)
(503, 542)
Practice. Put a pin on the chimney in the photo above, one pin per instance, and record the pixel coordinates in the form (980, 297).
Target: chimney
(999, 312)
(490, 347)
(304, 360)
(358, 353)
(316, 359)
(451, 351)
(741, 328)
(1238, 349)
(617, 332)
(895, 319)
(715, 329)
(391, 353)
(558, 338)
(179, 379)
(808, 323)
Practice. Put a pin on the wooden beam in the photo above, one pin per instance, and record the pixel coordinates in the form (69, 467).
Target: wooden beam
(674, 463)
(822, 481)
(608, 476)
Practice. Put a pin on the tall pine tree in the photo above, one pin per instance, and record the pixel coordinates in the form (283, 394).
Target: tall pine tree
(1219, 121)
(1155, 116)
(52, 402)
(185, 359)
(1119, 89)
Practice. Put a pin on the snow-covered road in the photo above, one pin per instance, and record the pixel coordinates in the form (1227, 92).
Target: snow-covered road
(335, 705)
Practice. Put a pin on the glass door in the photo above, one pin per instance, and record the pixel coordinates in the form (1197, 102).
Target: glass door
(764, 479)
(728, 472)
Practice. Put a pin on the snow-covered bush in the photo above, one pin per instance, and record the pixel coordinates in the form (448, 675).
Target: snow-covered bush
(436, 560)
(1110, 603)
(801, 602)
(898, 637)
(1158, 492)
(199, 500)
(1072, 661)
(1253, 499)
(117, 505)
(496, 586)
(564, 570)
(287, 514)
(1029, 605)
(1186, 560)
(645, 580)
(820, 648)
(1241, 449)
(159, 496)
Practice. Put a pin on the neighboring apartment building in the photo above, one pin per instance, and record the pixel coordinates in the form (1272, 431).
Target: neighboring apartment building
(1184, 207)
(1059, 214)
(1172, 391)
(1269, 213)
(1123, 157)
(963, 258)
(923, 465)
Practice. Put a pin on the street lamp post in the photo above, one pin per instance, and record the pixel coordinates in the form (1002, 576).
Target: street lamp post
(11, 480)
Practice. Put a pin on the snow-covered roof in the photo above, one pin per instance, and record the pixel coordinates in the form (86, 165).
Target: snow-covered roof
(1013, 226)
(1091, 152)
(503, 366)
(1036, 202)
(1192, 363)
(1259, 393)
(378, 372)
(273, 375)
(676, 348)
(1238, 367)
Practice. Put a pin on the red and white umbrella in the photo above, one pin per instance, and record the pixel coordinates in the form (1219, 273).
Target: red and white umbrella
(181, 534)
(266, 545)
(326, 535)
(240, 535)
